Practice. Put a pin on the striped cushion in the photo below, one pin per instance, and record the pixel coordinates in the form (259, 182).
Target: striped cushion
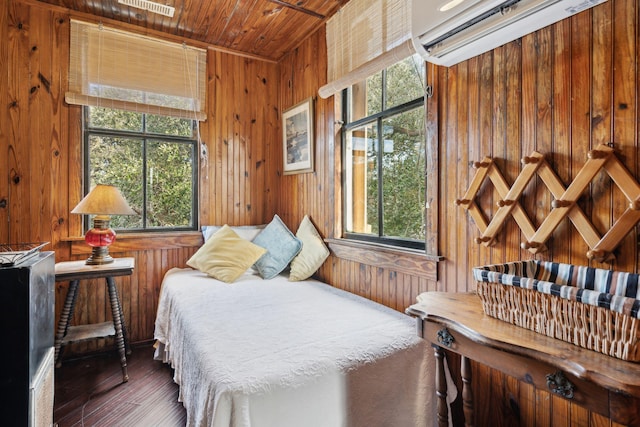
(614, 290)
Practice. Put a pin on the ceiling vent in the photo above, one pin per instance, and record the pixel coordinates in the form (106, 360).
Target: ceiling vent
(153, 7)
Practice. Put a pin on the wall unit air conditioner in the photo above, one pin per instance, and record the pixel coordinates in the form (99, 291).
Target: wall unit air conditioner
(446, 32)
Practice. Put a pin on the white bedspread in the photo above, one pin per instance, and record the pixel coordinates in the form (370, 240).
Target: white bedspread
(278, 353)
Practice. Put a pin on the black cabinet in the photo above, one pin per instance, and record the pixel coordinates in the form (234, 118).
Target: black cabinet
(27, 330)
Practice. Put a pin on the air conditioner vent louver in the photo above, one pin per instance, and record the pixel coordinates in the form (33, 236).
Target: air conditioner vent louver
(153, 7)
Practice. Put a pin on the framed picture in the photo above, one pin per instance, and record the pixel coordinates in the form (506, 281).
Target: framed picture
(297, 138)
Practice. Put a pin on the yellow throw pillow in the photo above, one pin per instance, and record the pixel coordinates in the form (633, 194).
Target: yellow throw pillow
(225, 255)
(314, 252)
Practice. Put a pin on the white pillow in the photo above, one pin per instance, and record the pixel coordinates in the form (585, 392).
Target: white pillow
(247, 232)
(314, 252)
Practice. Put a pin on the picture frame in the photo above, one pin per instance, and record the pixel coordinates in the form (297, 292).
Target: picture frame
(298, 138)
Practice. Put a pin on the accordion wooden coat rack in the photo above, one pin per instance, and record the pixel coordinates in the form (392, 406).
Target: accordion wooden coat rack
(563, 205)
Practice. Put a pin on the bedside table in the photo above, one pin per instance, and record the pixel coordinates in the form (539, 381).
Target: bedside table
(74, 271)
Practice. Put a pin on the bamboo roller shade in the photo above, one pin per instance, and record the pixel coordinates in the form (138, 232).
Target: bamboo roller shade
(116, 69)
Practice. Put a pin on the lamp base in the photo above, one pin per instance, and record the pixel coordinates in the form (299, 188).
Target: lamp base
(99, 238)
(99, 255)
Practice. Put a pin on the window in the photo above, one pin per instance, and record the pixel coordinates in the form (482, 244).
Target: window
(384, 148)
(151, 159)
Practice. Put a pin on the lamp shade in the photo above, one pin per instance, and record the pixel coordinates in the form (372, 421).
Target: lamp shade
(103, 200)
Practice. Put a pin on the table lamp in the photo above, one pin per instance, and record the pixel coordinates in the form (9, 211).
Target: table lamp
(102, 201)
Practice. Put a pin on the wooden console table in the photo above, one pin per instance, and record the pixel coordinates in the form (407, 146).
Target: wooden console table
(456, 322)
(74, 271)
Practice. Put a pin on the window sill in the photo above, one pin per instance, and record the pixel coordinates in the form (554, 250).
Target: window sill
(409, 261)
(127, 242)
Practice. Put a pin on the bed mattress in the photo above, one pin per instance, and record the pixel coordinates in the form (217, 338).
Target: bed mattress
(279, 353)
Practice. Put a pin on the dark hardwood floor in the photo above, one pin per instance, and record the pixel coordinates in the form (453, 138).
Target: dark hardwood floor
(90, 392)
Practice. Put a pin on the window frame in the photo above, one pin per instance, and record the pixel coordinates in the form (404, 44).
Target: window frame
(377, 119)
(145, 136)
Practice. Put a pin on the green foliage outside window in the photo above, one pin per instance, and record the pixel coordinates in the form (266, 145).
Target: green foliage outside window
(403, 192)
(151, 159)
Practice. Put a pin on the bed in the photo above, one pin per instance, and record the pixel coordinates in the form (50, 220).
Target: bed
(279, 353)
(261, 344)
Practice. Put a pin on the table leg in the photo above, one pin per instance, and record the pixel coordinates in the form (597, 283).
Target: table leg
(467, 392)
(65, 318)
(441, 388)
(125, 334)
(116, 312)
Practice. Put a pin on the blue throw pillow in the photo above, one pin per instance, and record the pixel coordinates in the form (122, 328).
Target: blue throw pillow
(281, 245)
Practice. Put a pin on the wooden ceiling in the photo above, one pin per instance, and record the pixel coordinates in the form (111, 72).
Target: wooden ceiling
(266, 28)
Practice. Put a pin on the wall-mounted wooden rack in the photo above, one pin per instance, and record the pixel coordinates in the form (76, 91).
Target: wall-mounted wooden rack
(564, 204)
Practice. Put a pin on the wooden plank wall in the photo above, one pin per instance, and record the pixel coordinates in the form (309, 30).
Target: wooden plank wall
(562, 91)
(40, 161)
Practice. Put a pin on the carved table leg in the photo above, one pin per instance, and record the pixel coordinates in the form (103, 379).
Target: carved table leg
(441, 388)
(467, 392)
(65, 318)
(116, 312)
(125, 334)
